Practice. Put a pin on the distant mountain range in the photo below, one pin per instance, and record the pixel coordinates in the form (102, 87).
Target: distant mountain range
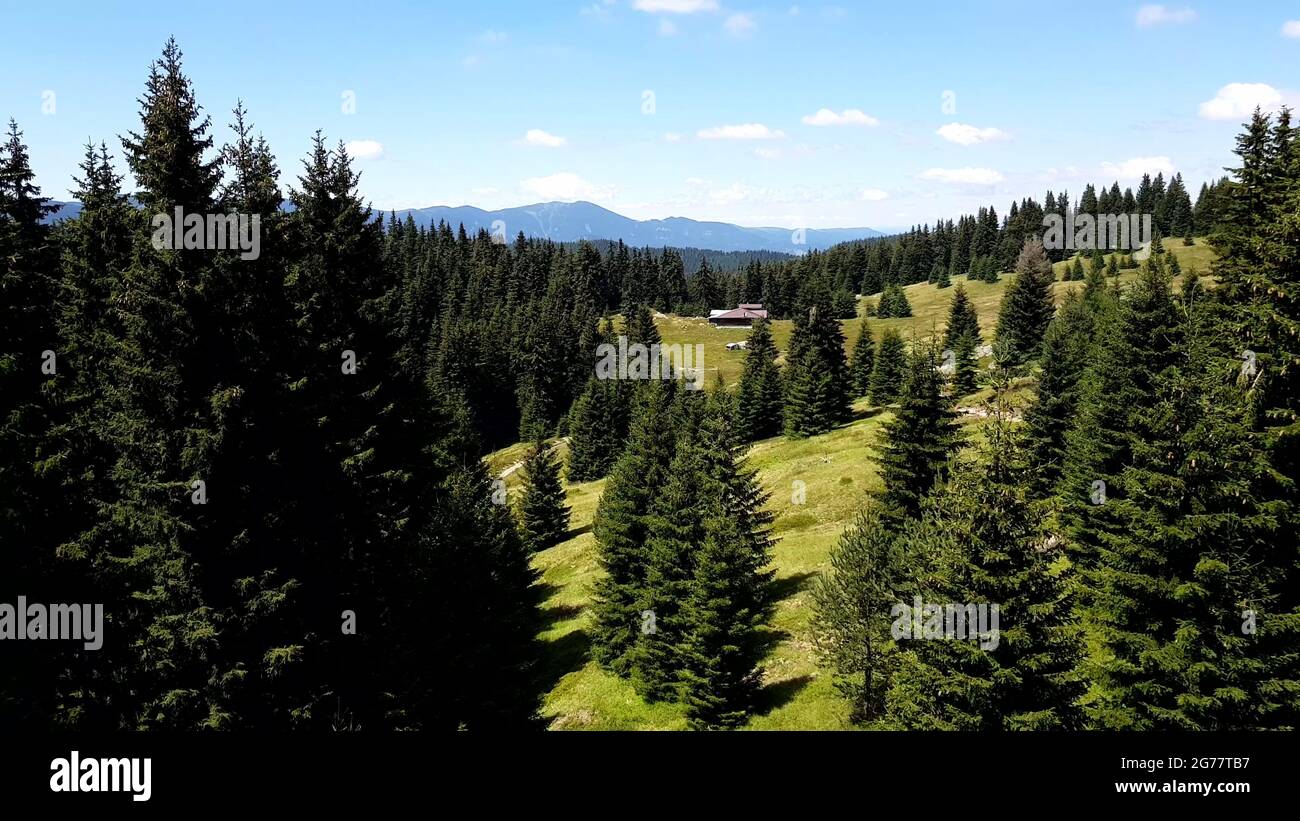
(572, 221)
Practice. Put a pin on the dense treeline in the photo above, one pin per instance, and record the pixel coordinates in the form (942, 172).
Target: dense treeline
(287, 525)
(1137, 530)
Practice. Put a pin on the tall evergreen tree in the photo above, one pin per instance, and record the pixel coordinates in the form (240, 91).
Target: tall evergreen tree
(726, 611)
(543, 516)
(918, 440)
(816, 378)
(28, 504)
(962, 319)
(888, 369)
(1027, 306)
(862, 362)
(760, 397)
(621, 527)
(990, 549)
(852, 613)
(1066, 348)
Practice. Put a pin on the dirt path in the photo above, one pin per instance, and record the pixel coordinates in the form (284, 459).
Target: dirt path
(982, 413)
(517, 465)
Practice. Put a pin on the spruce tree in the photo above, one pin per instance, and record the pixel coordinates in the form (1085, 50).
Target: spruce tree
(888, 368)
(1027, 306)
(620, 528)
(918, 441)
(962, 319)
(543, 516)
(729, 603)
(1183, 546)
(893, 303)
(965, 366)
(597, 426)
(852, 613)
(816, 378)
(862, 362)
(760, 398)
(29, 503)
(1065, 356)
(990, 551)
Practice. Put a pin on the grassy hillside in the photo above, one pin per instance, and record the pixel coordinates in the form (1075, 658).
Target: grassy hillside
(815, 487)
(929, 314)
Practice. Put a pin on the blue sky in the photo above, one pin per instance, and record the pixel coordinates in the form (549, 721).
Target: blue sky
(927, 109)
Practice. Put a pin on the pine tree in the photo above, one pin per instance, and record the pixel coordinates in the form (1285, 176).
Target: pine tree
(862, 362)
(597, 427)
(28, 502)
(760, 398)
(962, 319)
(1048, 418)
(990, 550)
(917, 441)
(621, 526)
(1183, 546)
(888, 369)
(852, 613)
(893, 303)
(704, 290)
(965, 365)
(816, 378)
(1027, 306)
(543, 516)
(729, 602)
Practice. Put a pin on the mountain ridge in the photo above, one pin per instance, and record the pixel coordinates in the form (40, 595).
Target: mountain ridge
(573, 221)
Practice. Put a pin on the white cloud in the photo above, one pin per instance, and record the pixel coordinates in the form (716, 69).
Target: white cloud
(849, 116)
(667, 28)
(963, 134)
(1156, 15)
(739, 25)
(1134, 169)
(564, 186)
(873, 195)
(1291, 28)
(365, 149)
(963, 176)
(675, 6)
(1070, 172)
(694, 181)
(672, 138)
(471, 60)
(599, 10)
(1236, 101)
(536, 136)
(744, 131)
(794, 11)
(767, 153)
(492, 37)
(731, 194)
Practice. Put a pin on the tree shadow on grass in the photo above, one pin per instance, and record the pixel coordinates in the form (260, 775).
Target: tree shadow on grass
(786, 586)
(566, 654)
(577, 531)
(777, 694)
(868, 413)
(559, 612)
